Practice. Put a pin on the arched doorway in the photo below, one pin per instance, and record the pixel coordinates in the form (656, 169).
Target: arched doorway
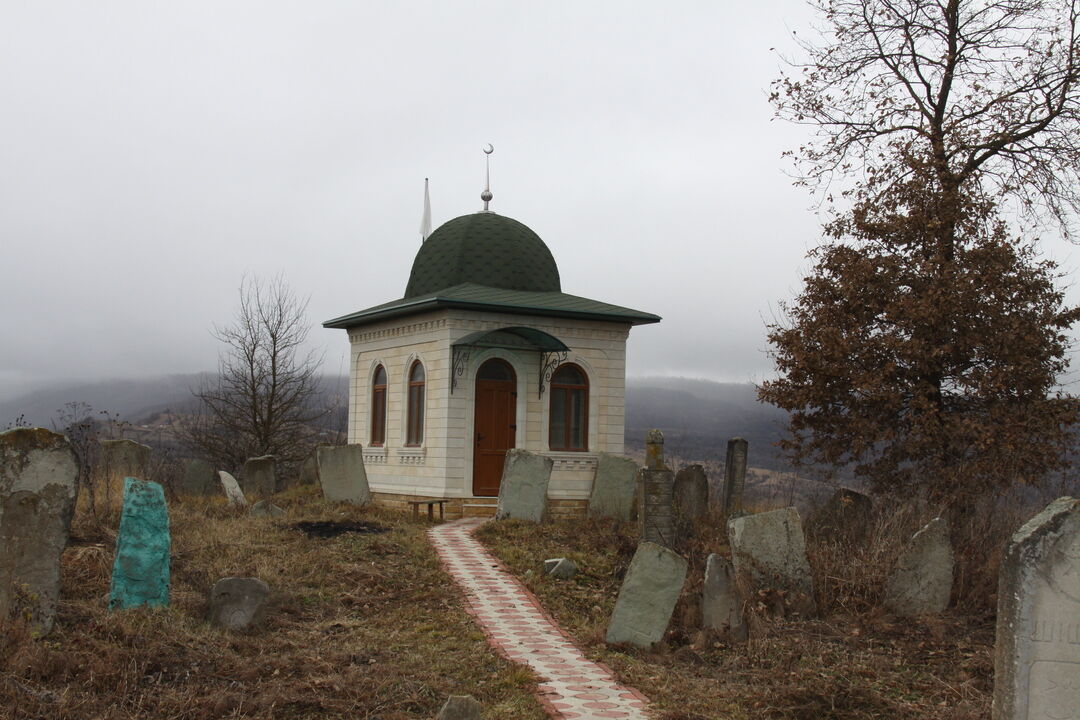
(495, 424)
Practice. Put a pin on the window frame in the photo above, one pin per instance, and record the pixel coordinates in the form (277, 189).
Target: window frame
(415, 406)
(378, 407)
(567, 388)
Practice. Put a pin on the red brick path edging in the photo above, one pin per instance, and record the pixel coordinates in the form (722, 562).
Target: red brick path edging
(516, 626)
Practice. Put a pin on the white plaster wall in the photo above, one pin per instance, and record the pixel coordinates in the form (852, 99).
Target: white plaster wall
(442, 467)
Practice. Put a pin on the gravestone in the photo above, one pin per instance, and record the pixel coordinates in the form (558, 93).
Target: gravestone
(341, 471)
(199, 478)
(1037, 651)
(309, 470)
(461, 707)
(690, 497)
(120, 459)
(846, 516)
(232, 490)
(613, 488)
(647, 597)
(260, 477)
(237, 603)
(560, 568)
(769, 549)
(523, 491)
(735, 475)
(922, 580)
(721, 604)
(265, 508)
(141, 569)
(38, 484)
(655, 488)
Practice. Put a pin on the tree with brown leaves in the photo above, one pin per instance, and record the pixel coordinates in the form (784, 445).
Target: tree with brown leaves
(926, 347)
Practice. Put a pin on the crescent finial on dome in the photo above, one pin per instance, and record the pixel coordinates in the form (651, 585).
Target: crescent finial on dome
(486, 195)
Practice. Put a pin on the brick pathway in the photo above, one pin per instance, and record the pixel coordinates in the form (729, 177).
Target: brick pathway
(572, 686)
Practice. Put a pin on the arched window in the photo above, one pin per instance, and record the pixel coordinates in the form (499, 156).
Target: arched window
(568, 422)
(414, 433)
(378, 407)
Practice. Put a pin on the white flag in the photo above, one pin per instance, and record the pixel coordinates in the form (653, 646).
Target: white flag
(425, 222)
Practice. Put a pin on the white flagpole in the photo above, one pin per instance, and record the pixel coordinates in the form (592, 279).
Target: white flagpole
(425, 222)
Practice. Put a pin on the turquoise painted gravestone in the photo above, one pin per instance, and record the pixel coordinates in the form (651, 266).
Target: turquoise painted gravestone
(141, 571)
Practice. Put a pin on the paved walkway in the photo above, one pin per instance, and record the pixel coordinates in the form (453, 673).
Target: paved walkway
(572, 686)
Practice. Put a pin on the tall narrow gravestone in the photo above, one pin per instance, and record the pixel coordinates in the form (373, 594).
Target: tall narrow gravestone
(260, 476)
(232, 490)
(656, 484)
(119, 459)
(735, 475)
(690, 497)
(1037, 652)
(38, 474)
(141, 570)
(341, 472)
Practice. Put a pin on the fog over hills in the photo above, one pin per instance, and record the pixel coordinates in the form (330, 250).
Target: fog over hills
(697, 416)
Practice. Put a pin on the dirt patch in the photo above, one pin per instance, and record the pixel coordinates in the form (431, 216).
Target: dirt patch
(331, 528)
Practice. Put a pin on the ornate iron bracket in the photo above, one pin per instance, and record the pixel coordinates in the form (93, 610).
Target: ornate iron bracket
(549, 361)
(458, 362)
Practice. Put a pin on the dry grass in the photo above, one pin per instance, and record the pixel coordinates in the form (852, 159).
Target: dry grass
(856, 663)
(362, 626)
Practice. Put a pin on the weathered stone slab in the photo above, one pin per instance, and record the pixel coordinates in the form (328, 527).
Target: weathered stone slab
(523, 491)
(198, 479)
(259, 478)
(141, 570)
(265, 508)
(613, 488)
(656, 514)
(769, 549)
(647, 597)
(237, 603)
(738, 450)
(654, 450)
(1037, 651)
(461, 707)
(342, 474)
(560, 568)
(846, 516)
(922, 580)
(309, 470)
(120, 459)
(38, 485)
(721, 603)
(232, 490)
(690, 498)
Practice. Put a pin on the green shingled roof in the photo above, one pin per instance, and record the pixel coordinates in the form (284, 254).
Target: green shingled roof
(472, 296)
(486, 249)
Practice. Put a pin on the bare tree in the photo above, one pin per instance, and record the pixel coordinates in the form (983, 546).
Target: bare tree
(264, 398)
(984, 93)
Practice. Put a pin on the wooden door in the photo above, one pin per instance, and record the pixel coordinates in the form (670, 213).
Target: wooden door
(495, 425)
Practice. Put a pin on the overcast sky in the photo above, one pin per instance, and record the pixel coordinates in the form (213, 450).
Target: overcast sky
(153, 153)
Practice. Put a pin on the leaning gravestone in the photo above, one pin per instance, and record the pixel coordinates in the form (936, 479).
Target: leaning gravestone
(1037, 652)
(735, 475)
(232, 490)
(141, 570)
(721, 604)
(922, 580)
(38, 483)
(260, 476)
(199, 478)
(341, 473)
(656, 521)
(265, 508)
(647, 597)
(613, 489)
(769, 549)
(237, 603)
(846, 516)
(690, 497)
(523, 491)
(120, 459)
(309, 470)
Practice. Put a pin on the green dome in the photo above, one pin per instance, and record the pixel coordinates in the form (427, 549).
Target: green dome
(485, 249)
